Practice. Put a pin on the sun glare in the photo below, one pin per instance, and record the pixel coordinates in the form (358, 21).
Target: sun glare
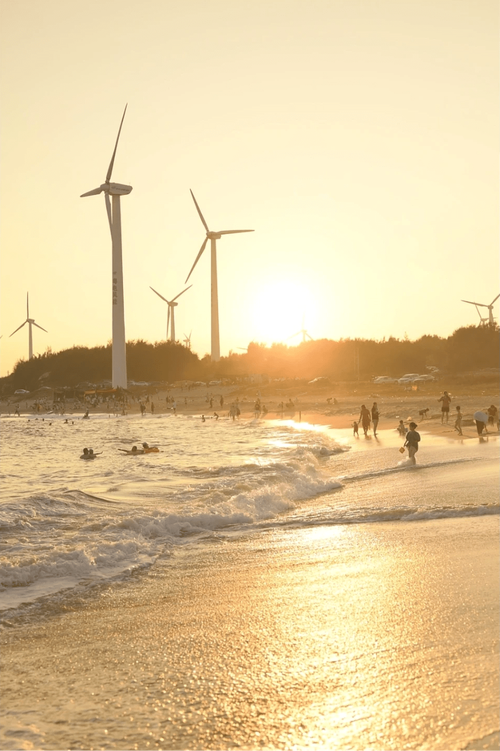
(282, 309)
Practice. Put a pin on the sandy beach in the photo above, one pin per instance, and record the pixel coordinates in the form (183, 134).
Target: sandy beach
(359, 637)
(342, 602)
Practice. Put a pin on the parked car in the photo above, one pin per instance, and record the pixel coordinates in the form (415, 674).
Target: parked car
(408, 378)
(21, 391)
(424, 378)
(384, 379)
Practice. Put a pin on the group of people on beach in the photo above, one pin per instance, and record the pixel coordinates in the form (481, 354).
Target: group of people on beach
(482, 419)
(366, 418)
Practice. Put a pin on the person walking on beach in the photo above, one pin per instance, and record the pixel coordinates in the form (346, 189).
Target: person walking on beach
(458, 422)
(412, 441)
(365, 419)
(445, 406)
(375, 417)
(401, 428)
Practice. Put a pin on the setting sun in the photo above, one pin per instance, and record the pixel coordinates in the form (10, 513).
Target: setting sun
(282, 309)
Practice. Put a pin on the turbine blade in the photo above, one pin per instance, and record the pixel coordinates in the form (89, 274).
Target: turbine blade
(19, 327)
(27, 305)
(157, 293)
(197, 258)
(181, 293)
(494, 301)
(40, 327)
(199, 211)
(111, 164)
(107, 200)
(476, 303)
(234, 231)
(94, 192)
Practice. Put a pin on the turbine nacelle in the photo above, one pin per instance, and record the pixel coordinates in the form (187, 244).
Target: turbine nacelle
(112, 189)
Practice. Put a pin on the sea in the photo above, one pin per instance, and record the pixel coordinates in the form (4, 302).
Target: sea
(71, 526)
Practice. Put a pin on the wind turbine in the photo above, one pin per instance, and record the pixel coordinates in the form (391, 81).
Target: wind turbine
(115, 190)
(303, 332)
(171, 307)
(478, 305)
(213, 237)
(187, 339)
(31, 322)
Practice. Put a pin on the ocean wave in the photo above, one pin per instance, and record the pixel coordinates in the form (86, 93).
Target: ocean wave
(403, 466)
(380, 515)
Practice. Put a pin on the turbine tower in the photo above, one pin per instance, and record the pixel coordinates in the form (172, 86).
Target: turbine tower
(115, 190)
(31, 322)
(171, 307)
(490, 320)
(213, 237)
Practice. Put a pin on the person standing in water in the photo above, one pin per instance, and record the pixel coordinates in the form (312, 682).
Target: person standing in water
(375, 417)
(412, 441)
(458, 421)
(364, 419)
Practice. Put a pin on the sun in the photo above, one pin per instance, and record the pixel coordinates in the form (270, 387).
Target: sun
(281, 309)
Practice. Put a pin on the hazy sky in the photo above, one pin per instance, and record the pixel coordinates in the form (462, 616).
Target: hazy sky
(359, 138)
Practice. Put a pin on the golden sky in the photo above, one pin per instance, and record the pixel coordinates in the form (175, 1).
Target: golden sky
(358, 138)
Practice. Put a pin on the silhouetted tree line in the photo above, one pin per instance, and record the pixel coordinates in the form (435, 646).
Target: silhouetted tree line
(469, 348)
(162, 361)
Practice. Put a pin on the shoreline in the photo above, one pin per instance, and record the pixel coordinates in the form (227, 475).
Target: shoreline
(223, 662)
(309, 407)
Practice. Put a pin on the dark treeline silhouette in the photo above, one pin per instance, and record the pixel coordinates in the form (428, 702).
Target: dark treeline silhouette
(467, 349)
(163, 361)
(470, 348)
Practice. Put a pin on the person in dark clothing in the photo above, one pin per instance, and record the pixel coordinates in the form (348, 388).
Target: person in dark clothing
(375, 417)
(412, 441)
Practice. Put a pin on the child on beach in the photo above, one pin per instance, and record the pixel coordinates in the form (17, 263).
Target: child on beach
(458, 422)
(401, 428)
(412, 441)
(355, 429)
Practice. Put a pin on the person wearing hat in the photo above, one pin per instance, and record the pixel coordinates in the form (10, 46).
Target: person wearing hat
(412, 441)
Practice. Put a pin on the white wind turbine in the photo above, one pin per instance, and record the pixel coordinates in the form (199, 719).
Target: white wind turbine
(490, 320)
(303, 331)
(187, 339)
(31, 322)
(213, 237)
(171, 307)
(115, 190)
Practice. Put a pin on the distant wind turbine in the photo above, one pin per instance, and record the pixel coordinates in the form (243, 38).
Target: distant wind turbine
(115, 190)
(490, 320)
(171, 307)
(302, 331)
(187, 339)
(213, 237)
(31, 322)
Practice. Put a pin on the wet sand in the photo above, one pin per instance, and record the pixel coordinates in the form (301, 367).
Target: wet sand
(377, 636)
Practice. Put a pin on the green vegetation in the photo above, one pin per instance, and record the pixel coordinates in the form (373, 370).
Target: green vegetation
(467, 349)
